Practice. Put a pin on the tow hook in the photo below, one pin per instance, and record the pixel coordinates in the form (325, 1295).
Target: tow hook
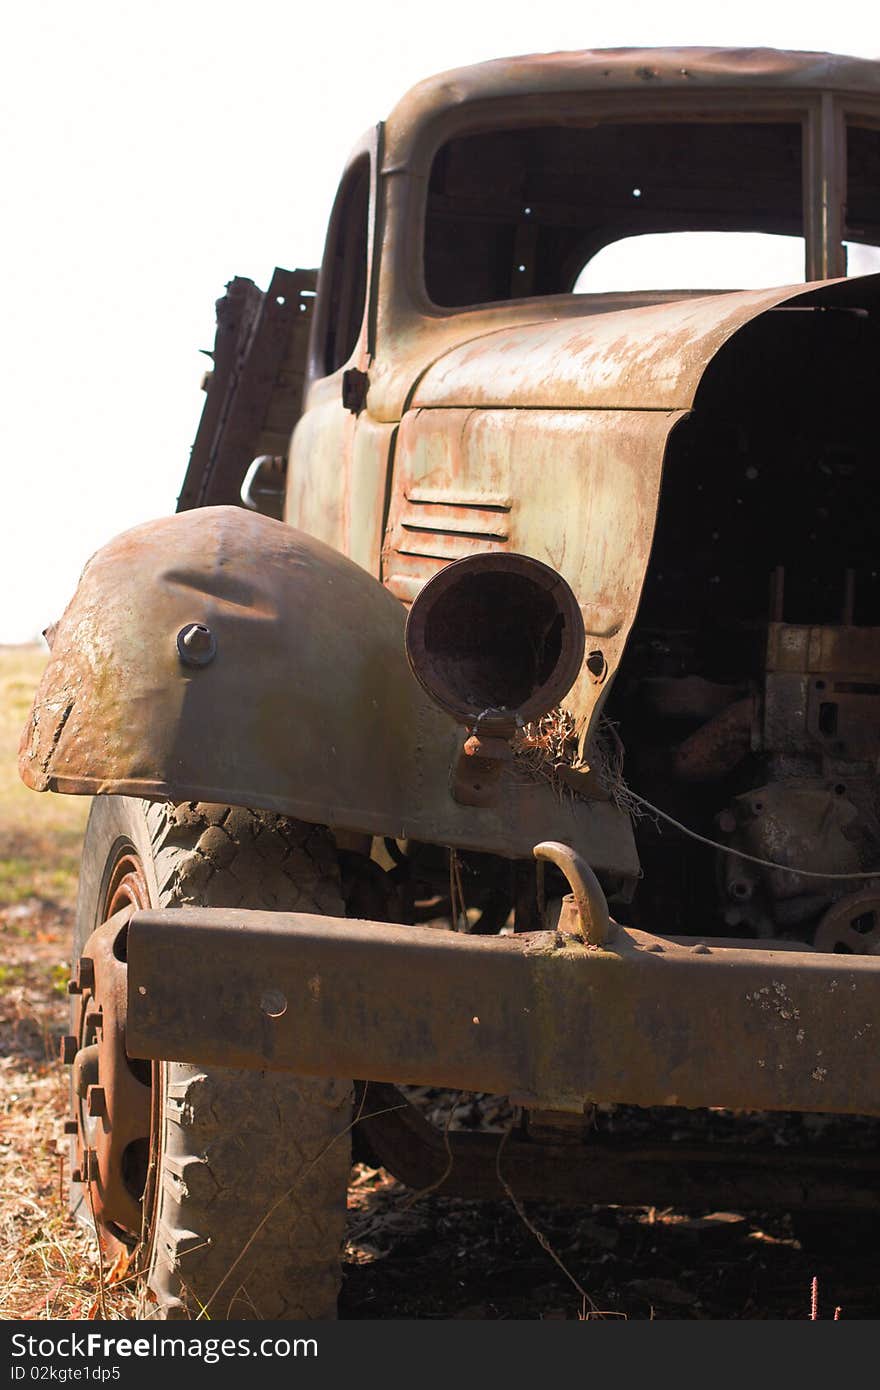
(585, 910)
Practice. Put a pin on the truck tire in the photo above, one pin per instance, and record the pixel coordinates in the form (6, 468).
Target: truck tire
(242, 1174)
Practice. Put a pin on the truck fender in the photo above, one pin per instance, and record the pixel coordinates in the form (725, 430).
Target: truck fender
(294, 679)
(219, 655)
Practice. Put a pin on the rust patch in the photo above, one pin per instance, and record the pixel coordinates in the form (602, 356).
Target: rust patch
(560, 1022)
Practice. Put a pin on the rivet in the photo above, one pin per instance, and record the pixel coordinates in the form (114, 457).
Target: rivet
(196, 645)
(273, 1003)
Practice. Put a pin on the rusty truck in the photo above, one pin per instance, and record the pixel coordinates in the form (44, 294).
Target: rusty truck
(500, 710)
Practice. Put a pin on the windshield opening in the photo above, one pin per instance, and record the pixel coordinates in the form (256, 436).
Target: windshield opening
(521, 212)
(694, 261)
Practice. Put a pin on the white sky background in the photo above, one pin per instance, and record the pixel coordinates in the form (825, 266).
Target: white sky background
(152, 151)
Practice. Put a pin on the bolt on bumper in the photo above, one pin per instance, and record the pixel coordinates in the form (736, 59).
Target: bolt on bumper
(542, 1017)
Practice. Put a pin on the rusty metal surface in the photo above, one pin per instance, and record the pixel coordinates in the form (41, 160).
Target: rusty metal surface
(585, 911)
(819, 823)
(823, 689)
(535, 426)
(648, 85)
(555, 485)
(552, 1025)
(337, 480)
(718, 746)
(852, 925)
(307, 706)
(666, 72)
(339, 461)
(255, 386)
(543, 439)
(496, 640)
(392, 1134)
(112, 1098)
(477, 778)
(650, 358)
(825, 193)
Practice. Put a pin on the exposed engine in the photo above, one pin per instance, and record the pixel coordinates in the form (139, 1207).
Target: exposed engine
(749, 698)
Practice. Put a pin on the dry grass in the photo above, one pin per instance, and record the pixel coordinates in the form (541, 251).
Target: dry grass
(48, 1263)
(549, 750)
(40, 836)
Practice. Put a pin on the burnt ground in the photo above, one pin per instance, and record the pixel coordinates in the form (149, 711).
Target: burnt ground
(456, 1259)
(436, 1258)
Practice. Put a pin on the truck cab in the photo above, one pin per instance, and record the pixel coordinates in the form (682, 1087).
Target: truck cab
(691, 461)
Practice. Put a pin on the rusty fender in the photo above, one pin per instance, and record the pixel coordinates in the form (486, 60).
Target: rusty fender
(218, 655)
(542, 1017)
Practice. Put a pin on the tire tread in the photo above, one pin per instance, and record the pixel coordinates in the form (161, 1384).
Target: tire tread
(240, 1146)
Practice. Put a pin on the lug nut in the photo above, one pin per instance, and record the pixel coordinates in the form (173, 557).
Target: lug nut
(67, 1050)
(83, 977)
(85, 974)
(96, 1101)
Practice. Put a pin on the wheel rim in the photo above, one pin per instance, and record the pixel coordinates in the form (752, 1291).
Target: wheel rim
(112, 1095)
(852, 925)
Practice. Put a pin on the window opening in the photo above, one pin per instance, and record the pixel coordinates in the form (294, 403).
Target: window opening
(344, 270)
(515, 213)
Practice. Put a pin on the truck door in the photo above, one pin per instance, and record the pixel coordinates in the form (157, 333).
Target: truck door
(339, 454)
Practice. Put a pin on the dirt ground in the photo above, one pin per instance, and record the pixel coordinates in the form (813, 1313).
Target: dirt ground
(406, 1257)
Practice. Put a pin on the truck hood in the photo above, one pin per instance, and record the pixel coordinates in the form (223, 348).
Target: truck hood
(649, 358)
(550, 438)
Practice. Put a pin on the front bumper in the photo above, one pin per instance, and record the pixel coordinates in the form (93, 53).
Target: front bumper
(545, 1018)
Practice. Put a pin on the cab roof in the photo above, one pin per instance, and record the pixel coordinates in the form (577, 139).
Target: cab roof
(619, 70)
